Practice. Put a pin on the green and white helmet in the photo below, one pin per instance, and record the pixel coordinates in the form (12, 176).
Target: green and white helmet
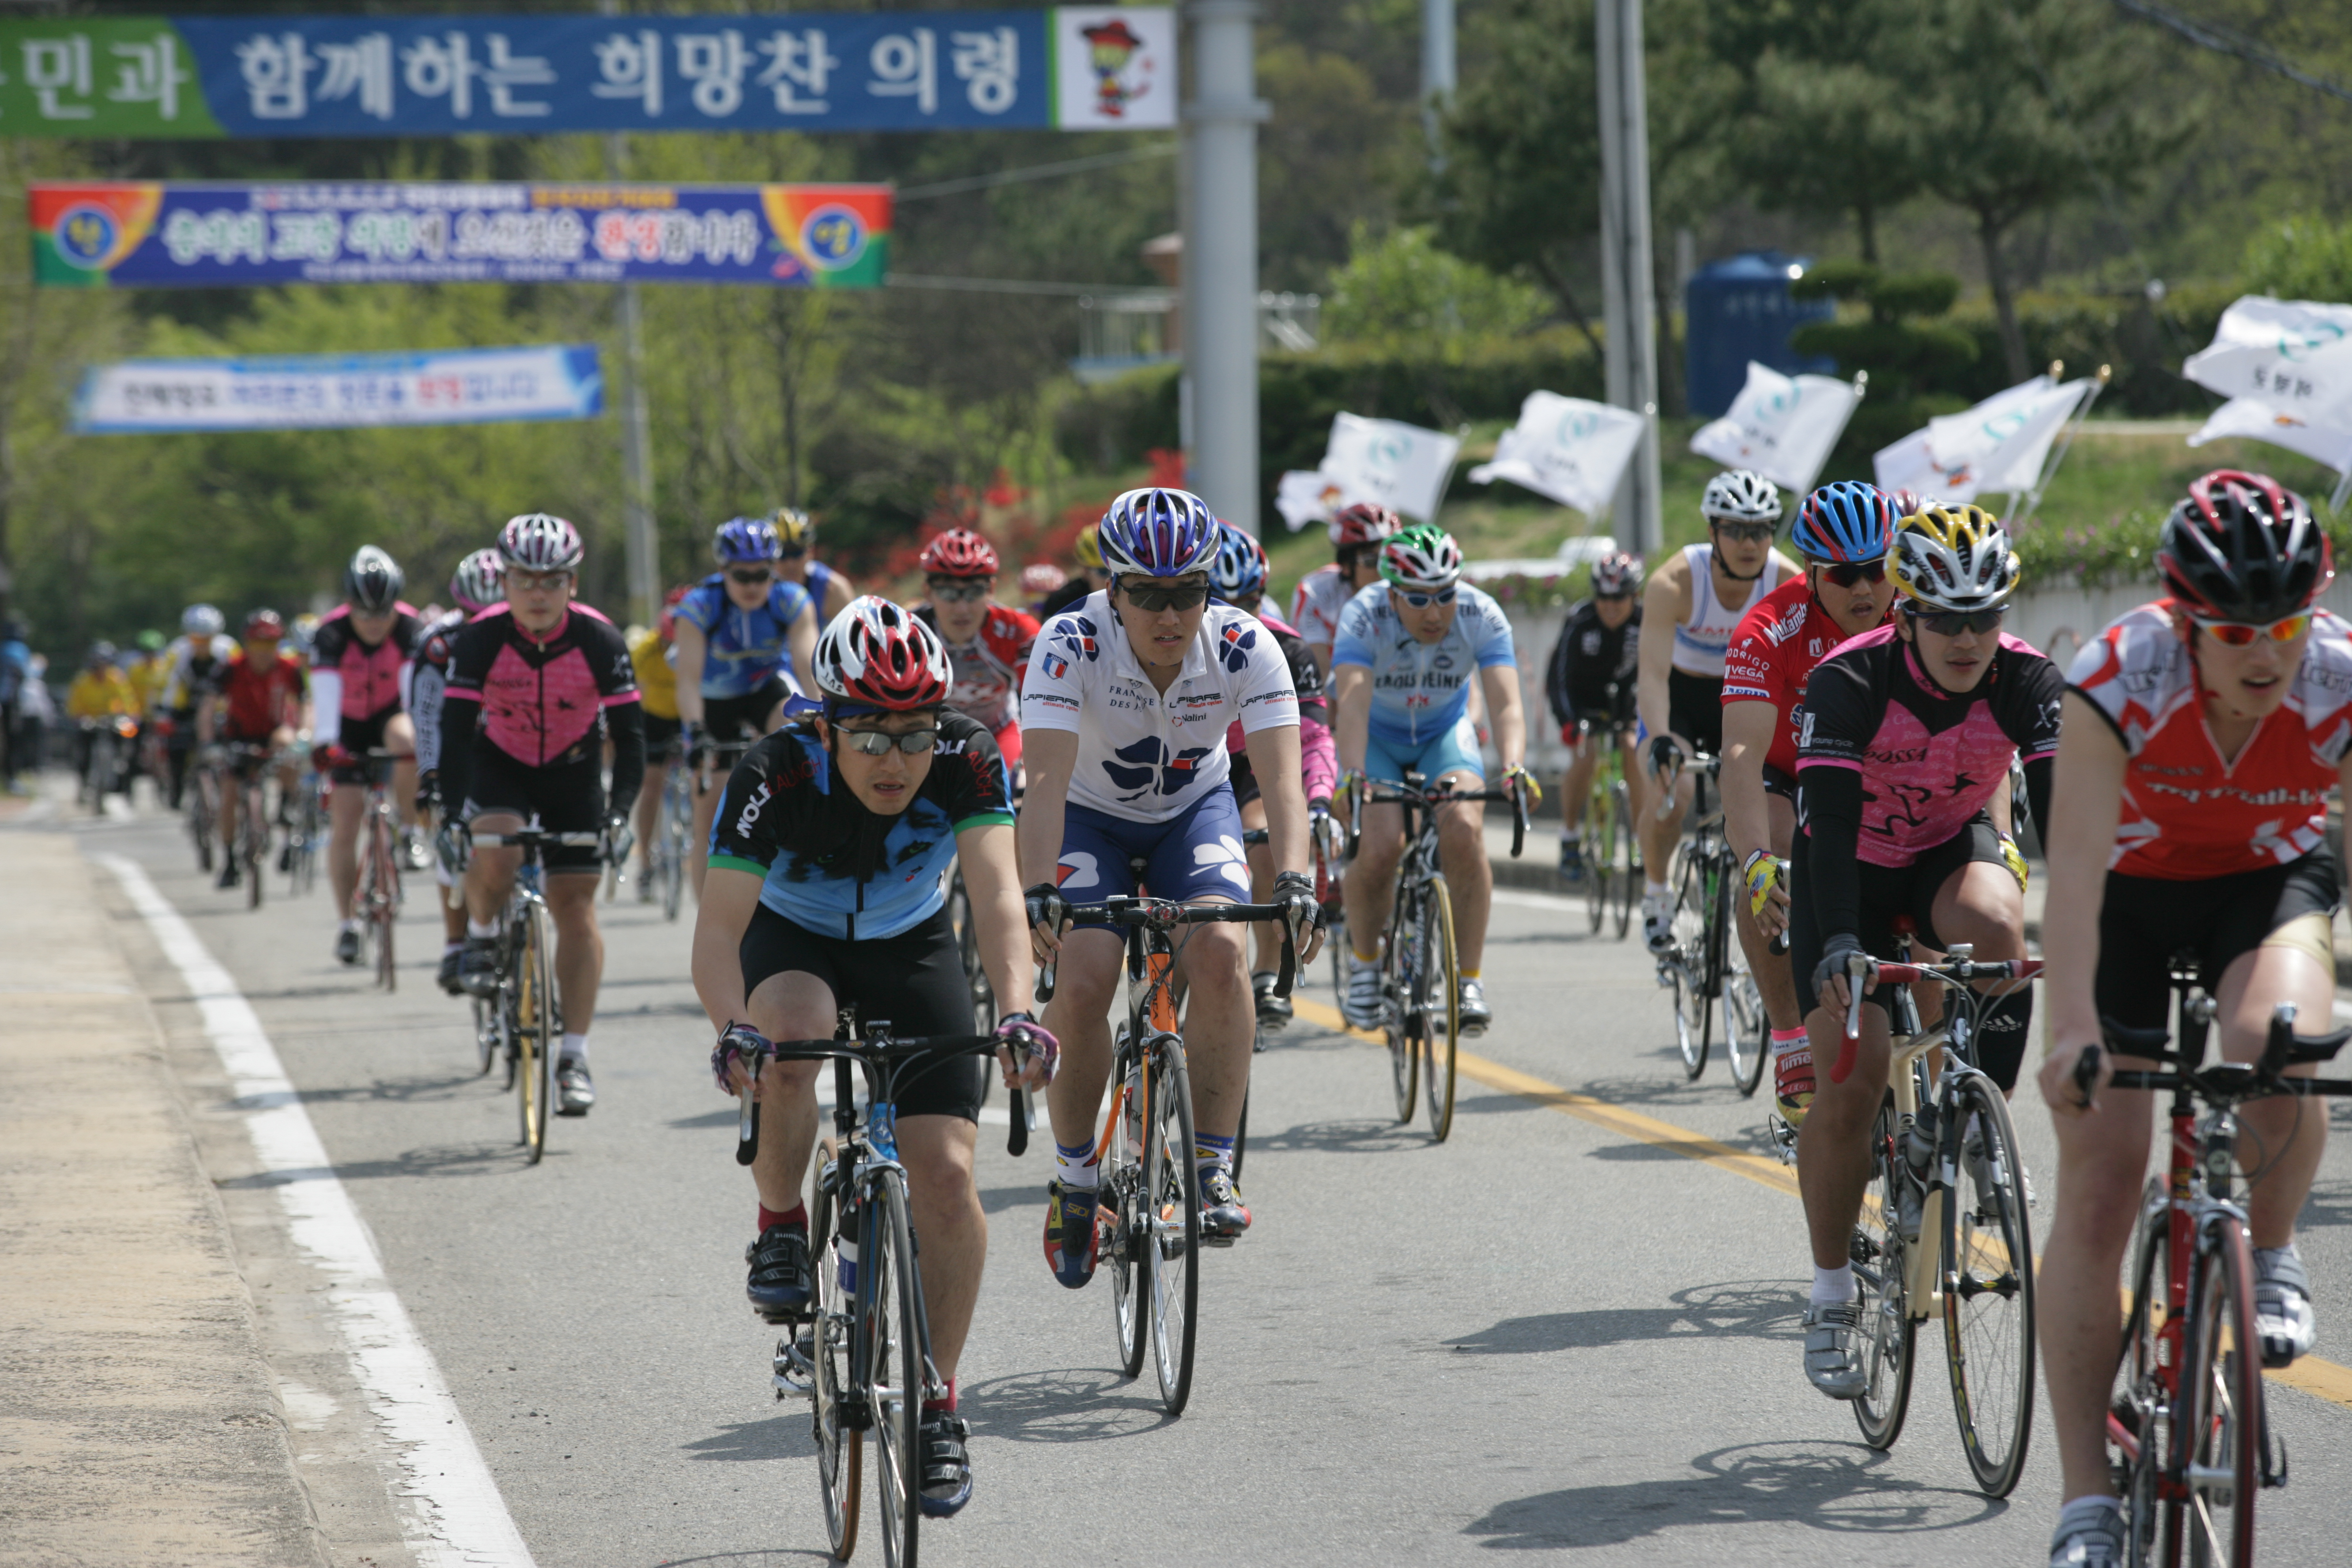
(1424, 558)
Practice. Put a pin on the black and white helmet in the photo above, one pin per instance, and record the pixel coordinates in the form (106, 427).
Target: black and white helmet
(373, 582)
(1741, 495)
(538, 541)
(479, 582)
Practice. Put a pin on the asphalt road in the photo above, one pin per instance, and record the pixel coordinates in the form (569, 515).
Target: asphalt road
(1546, 1335)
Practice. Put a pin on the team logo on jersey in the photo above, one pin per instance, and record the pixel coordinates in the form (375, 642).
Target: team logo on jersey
(1152, 766)
(1077, 635)
(1075, 869)
(1233, 645)
(1228, 857)
(1057, 665)
(751, 809)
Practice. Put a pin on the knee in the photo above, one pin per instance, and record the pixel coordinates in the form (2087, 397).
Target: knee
(787, 1080)
(941, 1175)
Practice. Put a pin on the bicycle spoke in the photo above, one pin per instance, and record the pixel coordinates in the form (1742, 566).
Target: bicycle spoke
(2218, 1442)
(1989, 1291)
(894, 1368)
(840, 1445)
(1440, 1005)
(1173, 1221)
(1888, 1334)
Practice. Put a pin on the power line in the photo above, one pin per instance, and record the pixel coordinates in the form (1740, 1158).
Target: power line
(2209, 36)
(1035, 172)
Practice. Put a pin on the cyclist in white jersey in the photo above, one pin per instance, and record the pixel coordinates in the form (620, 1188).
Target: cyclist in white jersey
(1357, 534)
(1692, 605)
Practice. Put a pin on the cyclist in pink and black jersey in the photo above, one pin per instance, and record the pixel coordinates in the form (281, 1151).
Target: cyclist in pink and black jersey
(356, 659)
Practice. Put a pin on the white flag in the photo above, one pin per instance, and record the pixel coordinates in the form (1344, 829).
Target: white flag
(1781, 427)
(1567, 448)
(1398, 465)
(2255, 420)
(2291, 354)
(1998, 445)
(1310, 495)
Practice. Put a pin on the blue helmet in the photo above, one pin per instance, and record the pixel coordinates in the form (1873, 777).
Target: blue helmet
(1239, 570)
(1159, 534)
(1848, 520)
(743, 540)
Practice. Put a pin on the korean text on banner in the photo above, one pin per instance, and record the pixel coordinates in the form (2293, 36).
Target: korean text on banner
(2291, 354)
(1398, 465)
(1567, 448)
(460, 386)
(1781, 427)
(177, 235)
(1999, 444)
(1095, 68)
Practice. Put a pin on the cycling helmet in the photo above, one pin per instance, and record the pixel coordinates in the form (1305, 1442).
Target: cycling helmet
(1042, 579)
(536, 541)
(2242, 547)
(1907, 503)
(372, 582)
(1953, 558)
(875, 655)
(1088, 549)
(744, 541)
(668, 623)
(1422, 558)
(101, 654)
(1363, 523)
(1614, 574)
(1742, 495)
(150, 641)
(264, 625)
(478, 581)
(1239, 570)
(1158, 533)
(795, 531)
(202, 621)
(1844, 521)
(959, 552)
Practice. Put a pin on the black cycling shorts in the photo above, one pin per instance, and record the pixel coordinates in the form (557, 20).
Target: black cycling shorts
(1887, 891)
(661, 740)
(1779, 783)
(2143, 922)
(567, 798)
(1244, 780)
(359, 737)
(1695, 710)
(914, 981)
(730, 717)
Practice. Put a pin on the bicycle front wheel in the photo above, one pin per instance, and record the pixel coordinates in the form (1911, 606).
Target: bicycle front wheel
(2139, 1408)
(1988, 1261)
(1439, 1006)
(1172, 1187)
(1593, 844)
(1694, 1008)
(1624, 852)
(1880, 1258)
(534, 978)
(1128, 1231)
(255, 844)
(676, 828)
(893, 1365)
(1747, 1031)
(1401, 965)
(2217, 1444)
(840, 1445)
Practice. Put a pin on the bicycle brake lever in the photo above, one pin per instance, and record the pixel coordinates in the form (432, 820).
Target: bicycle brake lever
(1856, 965)
(1016, 1139)
(747, 1128)
(1045, 983)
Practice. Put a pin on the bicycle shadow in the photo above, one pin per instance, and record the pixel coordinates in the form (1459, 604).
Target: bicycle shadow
(448, 1160)
(1827, 1485)
(1069, 1405)
(1744, 1309)
(781, 1437)
(1356, 1137)
(759, 1557)
(420, 1090)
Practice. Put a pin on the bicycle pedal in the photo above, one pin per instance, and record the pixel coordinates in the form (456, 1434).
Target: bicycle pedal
(794, 1371)
(1218, 1241)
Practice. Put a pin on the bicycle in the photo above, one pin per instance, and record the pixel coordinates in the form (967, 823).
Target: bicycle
(2188, 1434)
(248, 766)
(1421, 971)
(1612, 857)
(1942, 1118)
(307, 834)
(1704, 960)
(1148, 1205)
(673, 838)
(202, 808)
(377, 898)
(523, 1019)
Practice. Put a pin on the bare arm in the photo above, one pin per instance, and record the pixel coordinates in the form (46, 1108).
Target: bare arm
(1748, 730)
(1351, 707)
(1049, 757)
(2085, 803)
(1500, 685)
(729, 896)
(687, 640)
(800, 640)
(837, 595)
(1665, 604)
(991, 880)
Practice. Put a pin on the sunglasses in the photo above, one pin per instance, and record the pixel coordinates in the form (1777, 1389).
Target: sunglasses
(1614, 598)
(1746, 532)
(1947, 624)
(749, 579)
(878, 743)
(1423, 600)
(2237, 634)
(793, 552)
(1154, 600)
(537, 581)
(947, 591)
(1846, 574)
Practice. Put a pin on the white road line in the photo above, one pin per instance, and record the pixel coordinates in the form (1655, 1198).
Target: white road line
(1536, 900)
(450, 1511)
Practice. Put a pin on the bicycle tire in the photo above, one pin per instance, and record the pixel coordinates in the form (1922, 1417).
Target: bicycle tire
(1747, 1028)
(486, 1017)
(1593, 844)
(535, 1031)
(382, 899)
(200, 819)
(1171, 1183)
(1121, 1196)
(840, 1444)
(677, 830)
(894, 1367)
(1625, 843)
(1888, 1334)
(2221, 1426)
(1398, 960)
(1439, 1006)
(975, 973)
(1241, 1136)
(1988, 1293)
(2141, 1402)
(254, 844)
(1687, 961)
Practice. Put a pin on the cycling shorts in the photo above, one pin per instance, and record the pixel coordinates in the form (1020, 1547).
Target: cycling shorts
(914, 981)
(661, 740)
(2144, 920)
(1779, 783)
(1887, 891)
(566, 798)
(1455, 751)
(1695, 710)
(1196, 854)
(731, 718)
(361, 736)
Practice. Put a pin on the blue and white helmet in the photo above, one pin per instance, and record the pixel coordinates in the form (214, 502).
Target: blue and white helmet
(1239, 570)
(743, 540)
(1159, 534)
(1848, 520)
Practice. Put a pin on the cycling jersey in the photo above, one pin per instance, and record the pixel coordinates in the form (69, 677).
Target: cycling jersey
(987, 686)
(1143, 754)
(1771, 656)
(1420, 689)
(428, 682)
(1700, 642)
(93, 696)
(192, 664)
(741, 648)
(1319, 769)
(254, 696)
(352, 680)
(1592, 669)
(538, 699)
(650, 656)
(147, 679)
(828, 864)
(819, 585)
(2187, 815)
(1316, 604)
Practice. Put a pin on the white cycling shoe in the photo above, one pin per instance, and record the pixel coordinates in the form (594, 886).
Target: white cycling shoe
(1658, 921)
(1361, 1005)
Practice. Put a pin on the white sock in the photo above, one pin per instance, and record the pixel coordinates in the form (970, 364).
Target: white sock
(574, 1048)
(480, 931)
(450, 947)
(2085, 1510)
(1834, 1285)
(1079, 1172)
(1652, 889)
(351, 924)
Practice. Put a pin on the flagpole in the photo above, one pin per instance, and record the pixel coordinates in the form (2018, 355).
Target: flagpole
(2033, 496)
(1461, 439)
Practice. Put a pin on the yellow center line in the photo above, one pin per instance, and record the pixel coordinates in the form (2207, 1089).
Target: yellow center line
(2322, 1378)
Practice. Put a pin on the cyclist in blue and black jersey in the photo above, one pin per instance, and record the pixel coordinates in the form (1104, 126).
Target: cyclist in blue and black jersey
(743, 633)
(796, 563)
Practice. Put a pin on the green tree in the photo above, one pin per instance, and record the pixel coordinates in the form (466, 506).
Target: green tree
(2304, 258)
(1897, 338)
(1401, 288)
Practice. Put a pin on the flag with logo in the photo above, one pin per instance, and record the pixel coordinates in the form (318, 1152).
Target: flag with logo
(1565, 449)
(2292, 354)
(1782, 427)
(1310, 495)
(1999, 444)
(2252, 419)
(1392, 464)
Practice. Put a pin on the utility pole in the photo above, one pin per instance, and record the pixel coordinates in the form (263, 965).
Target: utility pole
(1436, 69)
(1625, 262)
(1220, 258)
(636, 432)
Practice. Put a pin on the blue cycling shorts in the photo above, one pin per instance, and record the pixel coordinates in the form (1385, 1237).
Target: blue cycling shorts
(1196, 854)
(1457, 751)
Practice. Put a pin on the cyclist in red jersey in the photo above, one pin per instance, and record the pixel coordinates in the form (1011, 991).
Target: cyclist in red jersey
(356, 659)
(254, 696)
(2203, 733)
(988, 643)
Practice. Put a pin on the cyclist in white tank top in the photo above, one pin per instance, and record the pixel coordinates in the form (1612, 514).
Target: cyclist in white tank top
(1701, 642)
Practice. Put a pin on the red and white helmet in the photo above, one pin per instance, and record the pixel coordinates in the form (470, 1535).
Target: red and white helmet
(959, 552)
(1363, 523)
(537, 542)
(875, 655)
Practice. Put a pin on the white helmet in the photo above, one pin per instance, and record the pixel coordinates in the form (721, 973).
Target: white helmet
(479, 582)
(537, 542)
(1742, 495)
(202, 621)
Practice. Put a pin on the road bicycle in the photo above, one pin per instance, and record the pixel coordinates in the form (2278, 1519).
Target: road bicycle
(377, 898)
(247, 772)
(1945, 1228)
(862, 1356)
(673, 840)
(1703, 960)
(1611, 854)
(202, 791)
(2188, 1435)
(1147, 1210)
(1420, 969)
(522, 1022)
(305, 837)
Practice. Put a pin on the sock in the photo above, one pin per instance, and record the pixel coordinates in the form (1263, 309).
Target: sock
(1652, 889)
(2084, 1511)
(1834, 1285)
(1210, 1152)
(947, 1405)
(2002, 1030)
(1787, 1040)
(351, 924)
(1469, 974)
(770, 1218)
(1074, 1165)
(574, 1048)
(480, 931)
(449, 947)
(1363, 960)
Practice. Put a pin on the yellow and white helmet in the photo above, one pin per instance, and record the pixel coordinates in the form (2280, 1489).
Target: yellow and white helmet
(1955, 558)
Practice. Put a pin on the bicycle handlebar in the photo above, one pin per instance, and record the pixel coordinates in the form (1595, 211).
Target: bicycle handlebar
(1369, 794)
(2222, 1081)
(1164, 914)
(867, 1053)
(1861, 965)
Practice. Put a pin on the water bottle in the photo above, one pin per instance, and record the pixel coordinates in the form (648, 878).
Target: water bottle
(1919, 1147)
(846, 1247)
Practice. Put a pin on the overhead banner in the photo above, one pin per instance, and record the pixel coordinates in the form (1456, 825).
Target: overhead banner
(155, 235)
(1075, 67)
(311, 392)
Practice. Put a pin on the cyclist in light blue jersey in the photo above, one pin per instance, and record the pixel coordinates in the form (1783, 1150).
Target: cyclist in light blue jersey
(1401, 670)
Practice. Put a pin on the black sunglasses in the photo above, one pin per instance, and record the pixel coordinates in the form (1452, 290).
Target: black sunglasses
(1951, 623)
(1746, 532)
(949, 590)
(1153, 600)
(1846, 574)
(878, 743)
(748, 578)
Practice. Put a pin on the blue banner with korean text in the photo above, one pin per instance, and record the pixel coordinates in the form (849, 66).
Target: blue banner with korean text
(451, 386)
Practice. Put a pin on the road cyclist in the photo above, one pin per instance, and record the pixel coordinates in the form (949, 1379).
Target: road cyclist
(252, 701)
(537, 684)
(357, 659)
(479, 582)
(824, 894)
(1090, 577)
(987, 642)
(203, 646)
(104, 709)
(1357, 533)
(1590, 682)
(2204, 732)
(829, 591)
(650, 654)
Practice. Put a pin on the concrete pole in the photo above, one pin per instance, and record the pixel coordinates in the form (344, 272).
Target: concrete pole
(1436, 67)
(636, 432)
(1625, 264)
(1220, 258)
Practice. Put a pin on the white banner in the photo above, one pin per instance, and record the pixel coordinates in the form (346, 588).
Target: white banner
(1399, 466)
(460, 386)
(1781, 427)
(1115, 66)
(1998, 445)
(2292, 354)
(1310, 495)
(1567, 448)
(2253, 420)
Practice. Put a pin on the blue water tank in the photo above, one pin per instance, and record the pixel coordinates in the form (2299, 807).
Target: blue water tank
(1738, 310)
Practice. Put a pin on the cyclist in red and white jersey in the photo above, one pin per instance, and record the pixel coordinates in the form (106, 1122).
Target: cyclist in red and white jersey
(479, 582)
(2204, 732)
(254, 696)
(356, 659)
(1357, 534)
(988, 643)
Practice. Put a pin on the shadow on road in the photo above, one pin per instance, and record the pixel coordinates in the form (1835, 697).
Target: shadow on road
(1754, 1308)
(1361, 1137)
(1072, 1404)
(785, 1436)
(449, 1160)
(775, 1556)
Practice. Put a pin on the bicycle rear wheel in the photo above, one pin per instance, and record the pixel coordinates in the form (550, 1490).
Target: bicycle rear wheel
(487, 1035)
(1594, 842)
(1747, 1031)
(840, 1445)
(1127, 1232)
(1888, 1335)
(200, 817)
(2218, 1442)
(534, 978)
(1400, 970)
(1694, 1008)
(1625, 852)
(676, 828)
(1172, 1186)
(2139, 1409)
(1439, 1006)
(975, 973)
(253, 842)
(1987, 1260)
(893, 1366)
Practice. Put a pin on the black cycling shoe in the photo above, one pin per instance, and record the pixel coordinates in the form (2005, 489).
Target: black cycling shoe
(779, 1285)
(1273, 1011)
(448, 974)
(947, 1467)
(347, 944)
(229, 875)
(477, 966)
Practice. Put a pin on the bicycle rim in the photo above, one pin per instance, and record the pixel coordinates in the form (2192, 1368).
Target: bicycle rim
(1440, 1006)
(1747, 1030)
(486, 1032)
(1174, 1253)
(1593, 843)
(678, 817)
(1123, 1235)
(2218, 1443)
(2139, 1410)
(895, 1370)
(1989, 1294)
(1398, 965)
(1689, 959)
(1623, 843)
(840, 1447)
(1888, 1334)
(537, 1032)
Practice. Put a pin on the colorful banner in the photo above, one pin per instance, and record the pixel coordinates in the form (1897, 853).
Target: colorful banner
(171, 235)
(456, 387)
(1097, 68)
